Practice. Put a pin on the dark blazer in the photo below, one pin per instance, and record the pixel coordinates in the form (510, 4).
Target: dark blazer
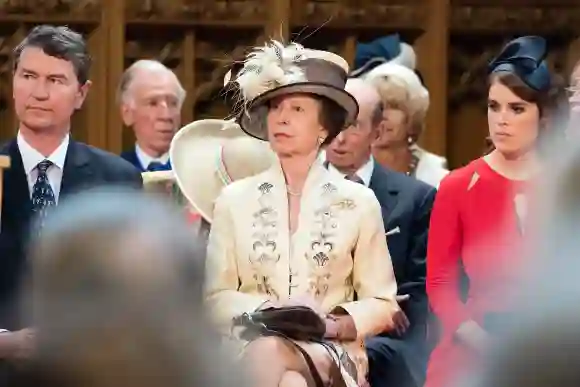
(406, 205)
(84, 167)
(131, 156)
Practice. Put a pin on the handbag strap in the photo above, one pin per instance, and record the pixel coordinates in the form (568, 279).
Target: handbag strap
(336, 378)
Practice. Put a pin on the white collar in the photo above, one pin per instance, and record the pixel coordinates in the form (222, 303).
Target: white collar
(364, 172)
(31, 157)
(145, 159)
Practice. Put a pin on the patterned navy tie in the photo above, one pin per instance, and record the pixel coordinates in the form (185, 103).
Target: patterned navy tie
(155, 166)
(356, 178)
(42, 193)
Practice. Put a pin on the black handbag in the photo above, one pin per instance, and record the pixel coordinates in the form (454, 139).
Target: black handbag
(295, 322)
(292, 323)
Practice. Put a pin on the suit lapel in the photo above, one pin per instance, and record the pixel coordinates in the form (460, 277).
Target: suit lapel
(77, 171)
(16, 194)
(385, 189)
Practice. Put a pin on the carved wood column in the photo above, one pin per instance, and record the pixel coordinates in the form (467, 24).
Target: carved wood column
(278, 24)
(188, 76)
(96, 102)
(114, 23)
(432, 53)
(18, 36)
(349, 50)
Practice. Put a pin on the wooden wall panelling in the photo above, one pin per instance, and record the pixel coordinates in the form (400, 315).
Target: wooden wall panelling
(10, 36)
(187, 74)
(478, 31)
(114, 23)
(433, 62)
(215, 51)
(278, 22)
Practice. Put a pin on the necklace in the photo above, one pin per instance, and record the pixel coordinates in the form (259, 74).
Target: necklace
(293, 193)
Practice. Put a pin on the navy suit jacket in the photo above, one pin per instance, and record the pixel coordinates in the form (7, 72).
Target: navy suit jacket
(84, 167)
(131, 156)
(406, 205)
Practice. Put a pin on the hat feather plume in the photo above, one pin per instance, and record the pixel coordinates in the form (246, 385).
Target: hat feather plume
(268, 67)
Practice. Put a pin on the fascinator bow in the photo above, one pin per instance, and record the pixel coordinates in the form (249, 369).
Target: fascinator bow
(526, 57)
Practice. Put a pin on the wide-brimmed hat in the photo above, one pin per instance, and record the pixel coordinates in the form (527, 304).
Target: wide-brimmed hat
(274, 70)
(207, 155)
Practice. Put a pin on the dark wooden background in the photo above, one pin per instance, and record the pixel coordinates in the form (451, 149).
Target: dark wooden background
(454, 40)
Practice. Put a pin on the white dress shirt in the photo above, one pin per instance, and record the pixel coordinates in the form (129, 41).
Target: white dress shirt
(145, 159)
(364, 172)
(31, 157)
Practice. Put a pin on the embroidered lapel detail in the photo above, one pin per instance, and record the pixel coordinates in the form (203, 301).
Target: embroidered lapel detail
(264, 229)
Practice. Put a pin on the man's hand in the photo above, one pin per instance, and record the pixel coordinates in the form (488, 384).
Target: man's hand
(400, 319)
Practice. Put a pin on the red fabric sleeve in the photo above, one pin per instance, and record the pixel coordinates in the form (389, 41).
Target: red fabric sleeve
(444, 248)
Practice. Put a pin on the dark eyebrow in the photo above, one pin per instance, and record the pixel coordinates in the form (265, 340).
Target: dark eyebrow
(54, 76)
(518, 104)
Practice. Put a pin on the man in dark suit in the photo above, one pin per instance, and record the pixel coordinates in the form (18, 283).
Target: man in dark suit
(396, 358)
(51, 68)
(150, 98)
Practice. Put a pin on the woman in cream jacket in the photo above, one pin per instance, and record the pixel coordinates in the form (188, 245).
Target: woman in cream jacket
(295, 234)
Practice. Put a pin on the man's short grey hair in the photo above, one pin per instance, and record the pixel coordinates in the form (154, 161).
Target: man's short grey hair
(128, 77)
(378, 109)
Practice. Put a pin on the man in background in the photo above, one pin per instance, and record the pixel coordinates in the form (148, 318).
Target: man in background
(397, 358)
(50, 82)
(150, 98)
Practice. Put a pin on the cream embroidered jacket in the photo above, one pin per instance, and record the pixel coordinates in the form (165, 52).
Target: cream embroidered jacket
(338, 250)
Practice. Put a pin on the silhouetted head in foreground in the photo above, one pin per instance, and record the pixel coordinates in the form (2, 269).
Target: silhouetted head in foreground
(117, 298)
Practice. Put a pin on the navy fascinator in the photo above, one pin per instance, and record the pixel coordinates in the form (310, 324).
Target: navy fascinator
(370, 55)
(525, 57)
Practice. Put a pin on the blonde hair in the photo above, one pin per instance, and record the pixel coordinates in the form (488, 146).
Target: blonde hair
(396, 94)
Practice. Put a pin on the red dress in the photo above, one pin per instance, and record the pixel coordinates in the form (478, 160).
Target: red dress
(474, 221)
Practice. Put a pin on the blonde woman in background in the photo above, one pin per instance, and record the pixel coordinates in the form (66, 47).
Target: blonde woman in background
(390, 64)
(406, 102)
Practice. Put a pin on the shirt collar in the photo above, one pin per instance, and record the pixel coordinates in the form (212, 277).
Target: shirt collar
(145, 159)
(31, 157)
(364, 172)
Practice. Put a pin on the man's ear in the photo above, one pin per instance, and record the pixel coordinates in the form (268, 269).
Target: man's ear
(127, 113)
(82, 94)
(377, 130)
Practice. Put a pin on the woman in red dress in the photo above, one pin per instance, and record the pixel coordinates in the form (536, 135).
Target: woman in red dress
(480, 210)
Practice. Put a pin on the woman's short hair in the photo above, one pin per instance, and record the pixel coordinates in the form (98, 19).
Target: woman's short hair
(332, 118)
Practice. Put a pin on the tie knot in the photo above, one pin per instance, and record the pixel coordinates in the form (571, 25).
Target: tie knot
(43, 166)
(155, 166)
(354, 177)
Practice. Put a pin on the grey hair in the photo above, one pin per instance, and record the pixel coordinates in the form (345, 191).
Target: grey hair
(128, 77)
(60, 42)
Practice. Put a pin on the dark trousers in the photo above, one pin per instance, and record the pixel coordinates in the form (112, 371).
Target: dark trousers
(395, 362)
